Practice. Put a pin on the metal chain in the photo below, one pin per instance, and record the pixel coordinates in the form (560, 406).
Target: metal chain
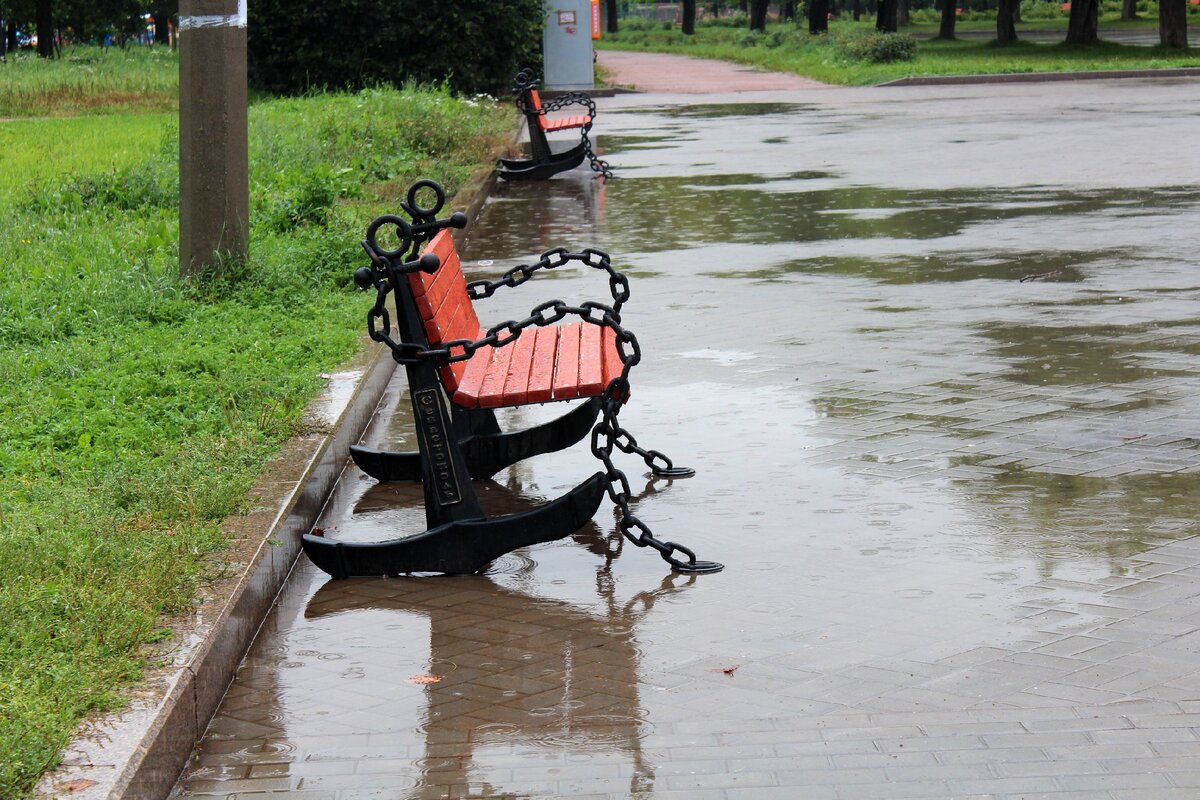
(608, 434)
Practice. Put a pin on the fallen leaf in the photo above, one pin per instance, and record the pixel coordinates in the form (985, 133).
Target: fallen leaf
(424, 679)
(78, 785)
(728, 670)
(318, 532)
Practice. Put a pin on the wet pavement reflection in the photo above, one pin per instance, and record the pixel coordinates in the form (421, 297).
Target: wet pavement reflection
(956, 507)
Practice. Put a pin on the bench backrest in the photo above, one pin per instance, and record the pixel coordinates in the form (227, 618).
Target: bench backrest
(445, 307)
(534, 104)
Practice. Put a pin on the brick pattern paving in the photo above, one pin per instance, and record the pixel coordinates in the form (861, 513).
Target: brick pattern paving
(960, 519)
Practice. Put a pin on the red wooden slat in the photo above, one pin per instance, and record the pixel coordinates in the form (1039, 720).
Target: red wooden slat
(451, 375)
(566, 363)
(491, 394)
(442, 246)
(591, 360)
(612, 360)
(447, 283)
(438, 328)
(565, 123)
(541, 370)
(474, 373)
(516, 382)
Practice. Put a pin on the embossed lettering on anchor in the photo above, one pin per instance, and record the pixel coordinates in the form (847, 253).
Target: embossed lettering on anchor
(445, 479)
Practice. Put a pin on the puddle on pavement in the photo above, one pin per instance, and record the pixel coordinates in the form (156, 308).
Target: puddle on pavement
(892, 477)
(718, 110)
(1092, 355)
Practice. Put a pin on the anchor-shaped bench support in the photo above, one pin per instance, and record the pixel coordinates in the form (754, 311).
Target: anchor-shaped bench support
(457, 371)
(543, 162)
(486, 449)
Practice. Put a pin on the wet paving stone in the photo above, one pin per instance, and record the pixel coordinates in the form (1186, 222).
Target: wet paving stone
(958, 510)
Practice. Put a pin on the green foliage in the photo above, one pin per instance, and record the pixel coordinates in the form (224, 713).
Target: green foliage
(138, 408)
(474, 47)
(785, 37)
(738, 19)
(631, 24)
(751, 39)
(875, 47)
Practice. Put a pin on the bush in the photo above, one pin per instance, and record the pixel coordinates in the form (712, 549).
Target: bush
(876, 47)
(736, 20)
(638, 24)
(779, 38)
(750, 38)
(474, 47)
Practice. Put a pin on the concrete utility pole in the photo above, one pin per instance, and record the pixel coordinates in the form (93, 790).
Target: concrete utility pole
(214, 183)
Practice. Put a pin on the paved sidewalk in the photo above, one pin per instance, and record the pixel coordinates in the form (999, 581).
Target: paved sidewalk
(662, 72)
(959, 510)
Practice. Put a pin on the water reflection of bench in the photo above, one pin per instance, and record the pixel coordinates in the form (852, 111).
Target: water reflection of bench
(560, 679)
(449, 356)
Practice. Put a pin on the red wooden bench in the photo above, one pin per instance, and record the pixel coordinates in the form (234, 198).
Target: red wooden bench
(458, 371)
(544, 162)
(561, 362)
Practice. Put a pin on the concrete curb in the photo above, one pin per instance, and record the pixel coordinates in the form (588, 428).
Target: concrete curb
(1043, 77)
(139, 752)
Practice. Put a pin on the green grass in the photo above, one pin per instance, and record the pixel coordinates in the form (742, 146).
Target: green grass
(89, 80)
(787, 49)
(73, 145)
(138, 409)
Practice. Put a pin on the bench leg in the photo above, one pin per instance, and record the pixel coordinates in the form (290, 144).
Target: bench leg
(461, 547)
(540, 169)
(485, 448)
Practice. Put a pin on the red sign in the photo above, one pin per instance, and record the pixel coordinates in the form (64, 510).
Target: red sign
(595, 19)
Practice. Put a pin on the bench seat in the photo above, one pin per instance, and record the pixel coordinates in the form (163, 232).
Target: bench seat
(556, 362)
(565, 123)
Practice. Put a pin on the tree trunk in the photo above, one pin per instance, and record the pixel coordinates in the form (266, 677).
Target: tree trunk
(162, 26)
(1082, 27)
(11, 35)
(1172, 23)
(613, 26)
(857, 10)
(885, 19)
(1017, 12)
(758, 15)
(949, 17)
(689, 17)
(818, 16)
(789, 10)
(1006, 30)
(1129, 9)
(744, 6)
(903, 12)
(45, 28)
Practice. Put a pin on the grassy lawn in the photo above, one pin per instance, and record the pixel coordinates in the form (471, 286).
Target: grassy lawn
(831, 59)
(89, 80)
(138, 408)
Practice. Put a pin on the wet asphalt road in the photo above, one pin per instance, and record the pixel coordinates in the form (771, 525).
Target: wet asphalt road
(957, 509)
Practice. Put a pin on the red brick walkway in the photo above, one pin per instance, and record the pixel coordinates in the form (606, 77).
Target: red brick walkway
(662, 72)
